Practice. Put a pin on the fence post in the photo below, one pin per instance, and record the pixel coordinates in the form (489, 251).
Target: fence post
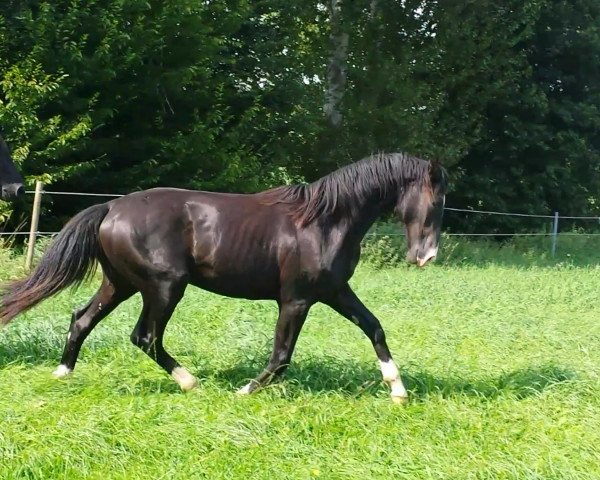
(35, 217)
(554, 233)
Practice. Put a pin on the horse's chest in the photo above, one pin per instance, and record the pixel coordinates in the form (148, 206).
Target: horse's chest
(331, 271)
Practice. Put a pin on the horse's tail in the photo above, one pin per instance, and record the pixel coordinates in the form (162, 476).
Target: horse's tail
(70, 259)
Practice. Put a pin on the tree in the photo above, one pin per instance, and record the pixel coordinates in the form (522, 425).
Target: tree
(539, 153)
(150, 93)
(120, 95)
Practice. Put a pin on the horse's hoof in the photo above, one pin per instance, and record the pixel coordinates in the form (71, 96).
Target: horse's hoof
(400, 400)
(246, 390)
(184, 378)
(189, 385)
(61, 371)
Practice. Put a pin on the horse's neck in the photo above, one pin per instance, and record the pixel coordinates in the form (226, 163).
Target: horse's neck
(357, 223)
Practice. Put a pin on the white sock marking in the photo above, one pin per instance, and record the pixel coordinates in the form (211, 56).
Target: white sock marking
(184, 378)
(392, 376)
(389, 371)
(61, 371)
(245, 390)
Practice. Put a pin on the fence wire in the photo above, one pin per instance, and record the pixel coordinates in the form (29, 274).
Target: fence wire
(510, 214)
(375, 234)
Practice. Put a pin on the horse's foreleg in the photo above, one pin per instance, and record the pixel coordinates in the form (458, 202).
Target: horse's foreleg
(159, 303)
(347, 304)
(291, 318)
(84, 320)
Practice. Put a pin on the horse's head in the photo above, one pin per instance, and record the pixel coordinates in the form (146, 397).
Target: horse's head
(11, 181)
(421, 208)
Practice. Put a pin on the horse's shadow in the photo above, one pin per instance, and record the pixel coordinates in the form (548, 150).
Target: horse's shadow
(319, 374)
(358, 379)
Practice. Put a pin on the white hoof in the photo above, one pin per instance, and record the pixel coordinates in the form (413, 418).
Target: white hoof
(246, 390)
(61, 371)
(398, 389)
(400, 400)
(184, 378)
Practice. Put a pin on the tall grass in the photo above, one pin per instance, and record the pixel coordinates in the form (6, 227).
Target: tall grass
(499, 347)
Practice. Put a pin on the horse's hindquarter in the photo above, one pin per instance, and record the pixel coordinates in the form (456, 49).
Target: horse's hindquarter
(144, 235)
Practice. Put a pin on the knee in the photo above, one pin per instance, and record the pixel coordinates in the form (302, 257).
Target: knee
(296, 307)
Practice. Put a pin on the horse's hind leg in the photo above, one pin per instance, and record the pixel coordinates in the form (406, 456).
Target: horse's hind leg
(291, 318)
(159, 303)
(83, 321)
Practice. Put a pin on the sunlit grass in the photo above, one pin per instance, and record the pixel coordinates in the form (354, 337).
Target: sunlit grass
(502, 361)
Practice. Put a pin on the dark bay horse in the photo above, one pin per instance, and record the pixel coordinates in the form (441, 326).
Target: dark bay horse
(11, 182)
(297, 245)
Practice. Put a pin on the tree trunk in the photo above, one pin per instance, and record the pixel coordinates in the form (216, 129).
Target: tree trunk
(336, 71)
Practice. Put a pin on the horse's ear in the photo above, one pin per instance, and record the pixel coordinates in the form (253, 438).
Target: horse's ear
(436, 171)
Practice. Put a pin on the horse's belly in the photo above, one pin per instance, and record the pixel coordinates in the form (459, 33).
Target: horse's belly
(254, 277)
(256, 287)
(240, 256)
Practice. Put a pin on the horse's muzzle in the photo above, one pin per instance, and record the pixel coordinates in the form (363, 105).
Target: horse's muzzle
(12, 191)
(420, 257)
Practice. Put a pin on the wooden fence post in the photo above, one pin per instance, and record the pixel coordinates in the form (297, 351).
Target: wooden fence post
(35, 218)
(554, 233)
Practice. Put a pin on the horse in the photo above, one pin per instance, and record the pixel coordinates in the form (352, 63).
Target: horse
(296, 245)
(11, 182)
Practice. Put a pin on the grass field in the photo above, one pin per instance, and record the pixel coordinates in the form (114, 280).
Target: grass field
(499, 349)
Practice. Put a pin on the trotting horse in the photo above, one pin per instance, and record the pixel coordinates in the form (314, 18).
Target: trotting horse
(297, 245)
(11, 182)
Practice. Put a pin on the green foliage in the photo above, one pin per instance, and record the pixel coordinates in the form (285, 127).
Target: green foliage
(119, 95)
(381, 251)
(539, 150)
(187, 94)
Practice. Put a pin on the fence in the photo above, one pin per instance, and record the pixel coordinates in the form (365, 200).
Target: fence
(39, 192)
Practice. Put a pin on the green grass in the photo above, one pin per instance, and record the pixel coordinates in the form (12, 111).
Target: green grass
(502, 359)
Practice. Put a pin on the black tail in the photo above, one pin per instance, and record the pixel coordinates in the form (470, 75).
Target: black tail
(70, 259)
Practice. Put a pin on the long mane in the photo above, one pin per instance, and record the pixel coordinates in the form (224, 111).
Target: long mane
(349, 186)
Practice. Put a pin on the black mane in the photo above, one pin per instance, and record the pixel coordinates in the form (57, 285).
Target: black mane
(349, 185)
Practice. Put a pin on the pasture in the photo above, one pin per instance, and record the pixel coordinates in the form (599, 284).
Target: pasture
(500, 350)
